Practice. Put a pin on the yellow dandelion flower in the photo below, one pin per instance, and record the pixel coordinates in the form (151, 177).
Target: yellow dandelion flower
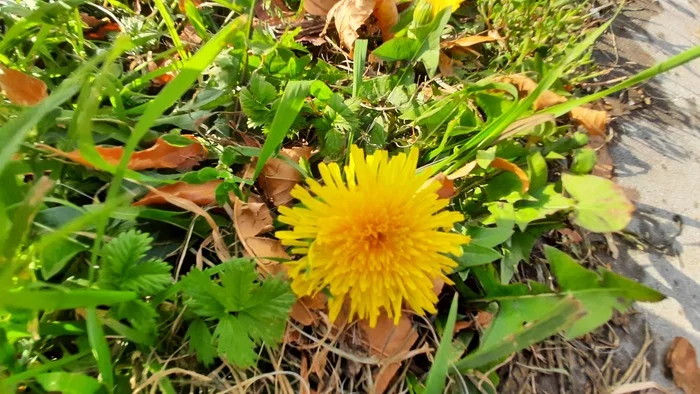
(377, 238)
(439, 5)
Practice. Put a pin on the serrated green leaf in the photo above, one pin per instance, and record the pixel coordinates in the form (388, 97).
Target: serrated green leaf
(601, 205)
(201, 341)
(238, 280)
(233, 342)
(205, 297)
(257, 101)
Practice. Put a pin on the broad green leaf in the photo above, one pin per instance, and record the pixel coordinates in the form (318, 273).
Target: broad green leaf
(517, 250)
(55, 259)
(547, 202)
(398, 48)
(68, 383)
(201, 341)
(601, 205)
(537, 170)
(177, 140)
(290, 104)
(473, 255)
(583, 161)
(558, 317)
(435, 382)
(599, 293)
(490, 237)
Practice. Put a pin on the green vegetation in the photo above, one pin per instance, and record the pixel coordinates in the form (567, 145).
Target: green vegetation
(155, 267)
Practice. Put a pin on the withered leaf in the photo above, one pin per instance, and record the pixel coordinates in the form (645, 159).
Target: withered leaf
(278, 178)
(682, 360)
(200, 194)
(465, 42)
(387, 15)
(387, 340)
(160, 155)
(505, 165)
(349, 16)
(20, 88)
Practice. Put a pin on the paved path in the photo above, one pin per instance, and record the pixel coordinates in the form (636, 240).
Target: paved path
(658, 155)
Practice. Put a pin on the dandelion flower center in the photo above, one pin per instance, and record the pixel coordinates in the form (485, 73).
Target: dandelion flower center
(376, 238)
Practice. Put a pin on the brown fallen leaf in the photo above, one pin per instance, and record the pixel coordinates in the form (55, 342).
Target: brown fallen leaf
(189, 36)
(163, 78)
(445, 65)
(682, 360)
(349, 16)
(97, 28)
(604, 166)
(255, 218)
(199, 194)
(593, 120)
(573, 235)
(505, 165)
(20, 88)
(483, 319)
(387, 15)
(462, 325)
(318, 7)
(387, 340)
(278, 178)
(465, 42)
(160, 155)
(305, 309)
(447, 188)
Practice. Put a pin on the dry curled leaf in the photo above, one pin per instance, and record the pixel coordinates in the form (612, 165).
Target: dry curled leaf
(682, 360)
(465, 42)
(483, 319)
(463, 171)
(593, 120)
(254, 219)
(160, 155)
(200, 194)
(505, 165)
(97, 29)
(447, 186)
(181, 4)
(387, 15)
(445, 65)
(305, 309)
(349, 16)
(387, 340)
(318, 7)
(20, 88)
(278, 178)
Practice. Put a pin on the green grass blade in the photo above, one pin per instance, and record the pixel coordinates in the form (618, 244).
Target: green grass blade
(651, 72)
(561, 316)
(172, 31)
(100, 348)
(358, 68)
(13, 133)
(435, 383)
(290, 104)
(31, 373)
(50, 300)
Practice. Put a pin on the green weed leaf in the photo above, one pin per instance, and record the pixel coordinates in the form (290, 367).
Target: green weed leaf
(601, 205)
(201, 341)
